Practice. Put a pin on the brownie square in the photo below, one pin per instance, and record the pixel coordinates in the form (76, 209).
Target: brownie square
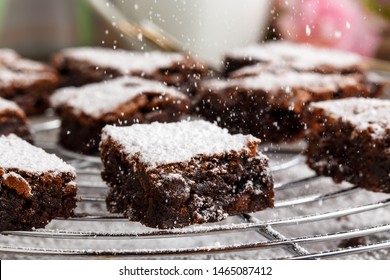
(26, 82)
(35, 186)
(13, 120)
(349, 140)
(270, 105)
(178, 174)
(79, 66)
(298, 57)
(85, 110)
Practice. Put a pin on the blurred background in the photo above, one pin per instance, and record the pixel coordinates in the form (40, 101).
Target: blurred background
(37, 28)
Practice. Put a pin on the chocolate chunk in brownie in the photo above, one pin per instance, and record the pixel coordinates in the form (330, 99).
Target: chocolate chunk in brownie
(26, 82)
(178, 174)
(299, 57)
(270, 105)
(79, 66)
(349, 140)
(13, 120)
(85, 110)
(35, 186)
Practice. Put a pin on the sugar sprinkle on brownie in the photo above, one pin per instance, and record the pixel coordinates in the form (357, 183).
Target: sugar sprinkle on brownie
(371, 114)
(176, 142)
(13, 120)
(16, 153)
(84, 65)
(16, 69)
(274, 81)
(123, 101)
(269, 105)
(301, 57)
(8, 105)
(178, 174)
(348, 140)
(35, 186)
(124, 61)
(28, 83)
(99, 98)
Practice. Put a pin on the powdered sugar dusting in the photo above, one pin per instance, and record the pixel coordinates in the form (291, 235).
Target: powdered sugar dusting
(159, 143)
(371, 114)
(125, 62)
(275, 81)
(8, 105)
(8, 55)
(299, 56)
(19, 154)
(15, 69)
(9, 77)
(256, 69)
(99, 98)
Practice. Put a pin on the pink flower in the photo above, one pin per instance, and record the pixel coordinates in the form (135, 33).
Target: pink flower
(329, 23)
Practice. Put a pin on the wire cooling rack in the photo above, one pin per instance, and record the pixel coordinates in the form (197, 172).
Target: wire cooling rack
(313, 218)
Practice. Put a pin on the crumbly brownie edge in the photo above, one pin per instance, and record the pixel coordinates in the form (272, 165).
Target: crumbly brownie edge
(48, 195)
(15, 122)
(249, 112)
(205, 189)
(338, 150)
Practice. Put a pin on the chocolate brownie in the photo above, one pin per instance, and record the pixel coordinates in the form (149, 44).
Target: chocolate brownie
(35, 186)
(270, 105)
(349, 140)
(178, 174)
(26, 82)
(299, 57)
(85, 110)
(79, 66)
(13, 120)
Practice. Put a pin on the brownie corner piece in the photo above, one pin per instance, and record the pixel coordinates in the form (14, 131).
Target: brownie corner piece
(35, 186)
(13, 120)
(349, 140)
(81, 65)
(191, 172)
(300, 57)
(28, 83)
(123, 101)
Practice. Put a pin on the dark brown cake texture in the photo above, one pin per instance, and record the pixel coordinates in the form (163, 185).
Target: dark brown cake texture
(178, 174)
(26, 82)
(13, 120)
(85, 110)
(298, 57)
(79, 66)
(270, 105)
(349, 140)
(35, 186)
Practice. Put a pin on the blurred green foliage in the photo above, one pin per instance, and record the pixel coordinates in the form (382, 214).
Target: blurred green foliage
(379, 7)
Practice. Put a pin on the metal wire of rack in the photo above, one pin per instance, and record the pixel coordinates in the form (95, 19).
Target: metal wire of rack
(298, 213)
